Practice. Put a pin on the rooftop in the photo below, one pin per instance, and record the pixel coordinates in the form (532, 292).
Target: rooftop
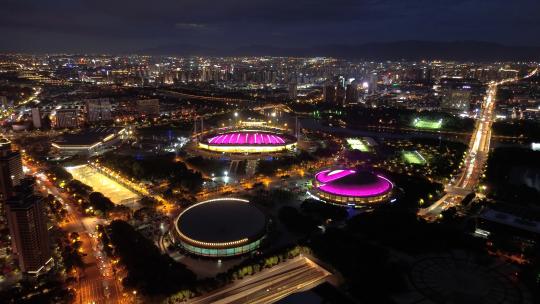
(510, 219)
(248, 137)
(352, 183)
(221, 221)
(87, 137)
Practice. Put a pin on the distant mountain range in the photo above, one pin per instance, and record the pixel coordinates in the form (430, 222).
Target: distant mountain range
(401, 50)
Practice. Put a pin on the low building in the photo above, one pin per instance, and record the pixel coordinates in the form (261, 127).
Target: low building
(148, 107)
(89, 142)
(514, 222)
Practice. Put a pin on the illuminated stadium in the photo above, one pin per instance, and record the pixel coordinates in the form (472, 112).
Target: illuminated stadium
(221, 228)
(353, 188)
(248, 141)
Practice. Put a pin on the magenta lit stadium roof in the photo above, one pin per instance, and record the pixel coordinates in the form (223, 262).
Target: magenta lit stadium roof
(261, 138)
(352, 183)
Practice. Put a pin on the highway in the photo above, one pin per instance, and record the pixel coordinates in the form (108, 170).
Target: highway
(476, 157)
(270, 285)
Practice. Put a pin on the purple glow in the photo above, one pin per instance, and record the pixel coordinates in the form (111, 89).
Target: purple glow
(326, 178)
(329, 175)
(241, 138)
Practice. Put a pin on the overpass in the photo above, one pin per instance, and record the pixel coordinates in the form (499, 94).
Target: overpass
(270, 285)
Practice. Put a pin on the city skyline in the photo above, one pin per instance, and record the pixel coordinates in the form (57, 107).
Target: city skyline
(272, 151)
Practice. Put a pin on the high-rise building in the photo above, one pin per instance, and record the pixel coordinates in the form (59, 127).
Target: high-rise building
(457, 93)
(11, 172)
(36, 118)
(66, 118)
(329, 92)
(456, 100)
(3, 101)
(25, 212)
(340, 93)
(148, 107)
(293, 90)
(351, 94)
(372, 83)
(98, 109)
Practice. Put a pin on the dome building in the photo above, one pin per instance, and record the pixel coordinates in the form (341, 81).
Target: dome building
(248, 141)
(350, 187)
(221, 227)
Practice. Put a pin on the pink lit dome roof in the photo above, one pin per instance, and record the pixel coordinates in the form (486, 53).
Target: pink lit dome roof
(352, 183)
(261, 138)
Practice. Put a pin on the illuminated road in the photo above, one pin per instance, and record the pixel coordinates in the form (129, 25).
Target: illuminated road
(476, 157)
(270, 285)
(9, 112)
(97, 283)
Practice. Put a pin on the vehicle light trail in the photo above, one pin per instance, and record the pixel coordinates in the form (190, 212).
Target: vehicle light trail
(476, 157)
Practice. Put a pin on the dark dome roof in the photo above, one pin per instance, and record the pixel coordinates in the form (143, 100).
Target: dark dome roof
(222, 221)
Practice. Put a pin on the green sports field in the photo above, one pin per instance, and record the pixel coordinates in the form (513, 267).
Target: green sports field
(421, 123)
(413, 157)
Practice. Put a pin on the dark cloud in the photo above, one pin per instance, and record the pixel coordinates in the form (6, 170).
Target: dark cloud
(121, 25)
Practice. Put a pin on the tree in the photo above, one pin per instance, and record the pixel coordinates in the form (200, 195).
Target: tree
(99, 202)
(295, 221)
(149, 271)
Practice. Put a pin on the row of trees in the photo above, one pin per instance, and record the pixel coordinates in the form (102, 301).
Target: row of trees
(149, 272)
(88, 198)
(156, 168)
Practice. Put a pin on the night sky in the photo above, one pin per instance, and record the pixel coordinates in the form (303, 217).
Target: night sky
(127, 26)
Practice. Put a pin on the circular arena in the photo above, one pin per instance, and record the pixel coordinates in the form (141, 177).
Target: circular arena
(248, 141)
(352, 188)
(221, 228)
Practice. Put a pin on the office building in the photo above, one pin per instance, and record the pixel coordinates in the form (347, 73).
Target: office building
(340, 94)
(351, 94)
(329, 92)
(373, 83)
(456, 100)
(98, 109)
(458, 93)
(25, 212)
(36, 118)
(11, 172)
(66, 118)
(293, 90)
